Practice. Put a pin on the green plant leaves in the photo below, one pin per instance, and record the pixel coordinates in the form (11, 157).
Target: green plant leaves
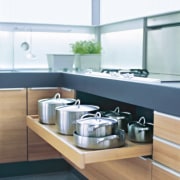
(86, 47)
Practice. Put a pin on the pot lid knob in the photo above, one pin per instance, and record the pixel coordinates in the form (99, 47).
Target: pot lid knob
(117, 110)
(98, 115)
(78, 102)
(57, 96)
(142, 119)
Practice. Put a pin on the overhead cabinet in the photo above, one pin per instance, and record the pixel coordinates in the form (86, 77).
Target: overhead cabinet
(68, 12)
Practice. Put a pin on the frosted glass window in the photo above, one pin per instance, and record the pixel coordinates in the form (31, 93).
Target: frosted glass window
(123, 49)
(6, 50)
(117, 10)
(44, 43)
(76, 12)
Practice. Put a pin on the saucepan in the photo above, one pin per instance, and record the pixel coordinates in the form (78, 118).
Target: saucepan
(123, 118)
(46, 108)
(95, 143)
(140, 131)
(66, 116)
(96, 126)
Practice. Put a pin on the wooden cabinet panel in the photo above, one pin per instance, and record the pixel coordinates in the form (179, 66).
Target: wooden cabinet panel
(13, 131)
(167, 127)
(160, 173)
(126, 169)
(67, 93)
(38, 149)
(166, 153)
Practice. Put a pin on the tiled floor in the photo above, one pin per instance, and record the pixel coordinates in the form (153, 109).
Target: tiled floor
(65, 175)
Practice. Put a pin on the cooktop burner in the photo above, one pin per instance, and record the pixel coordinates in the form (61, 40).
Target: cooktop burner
(134, 72)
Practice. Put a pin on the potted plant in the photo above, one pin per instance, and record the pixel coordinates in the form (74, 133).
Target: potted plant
(87, 55)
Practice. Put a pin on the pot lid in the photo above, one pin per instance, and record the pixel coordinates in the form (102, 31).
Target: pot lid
(79, 108)
(58, 100)
(96, 119)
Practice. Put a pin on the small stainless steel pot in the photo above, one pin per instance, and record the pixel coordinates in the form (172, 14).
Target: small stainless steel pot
(95, 143)
(123, 118)
(140, 131)
(66, 116)
(96, 126)
(46, 108)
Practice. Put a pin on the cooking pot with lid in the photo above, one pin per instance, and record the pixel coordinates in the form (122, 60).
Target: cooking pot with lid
(140, 131)
(123, 118)
(66, 116)
(46, 108)
(96, 126)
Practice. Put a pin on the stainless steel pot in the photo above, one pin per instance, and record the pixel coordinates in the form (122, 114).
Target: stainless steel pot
(123, 118)
(95, 143)
(140, 131)
(66, 116)
(96, 126)
(46, 108)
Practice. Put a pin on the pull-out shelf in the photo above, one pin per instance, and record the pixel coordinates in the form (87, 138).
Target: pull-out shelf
(80, 157)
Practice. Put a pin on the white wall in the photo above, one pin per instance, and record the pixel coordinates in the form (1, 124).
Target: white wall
(118, 10)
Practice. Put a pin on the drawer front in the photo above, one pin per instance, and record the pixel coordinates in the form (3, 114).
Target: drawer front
(167, 127)
(160, 172)
(166, 153)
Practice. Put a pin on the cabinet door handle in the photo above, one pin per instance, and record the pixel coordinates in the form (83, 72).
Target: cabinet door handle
(166, 169)
(66, 89)
(11, 89)
(177, 146)
(43, 88)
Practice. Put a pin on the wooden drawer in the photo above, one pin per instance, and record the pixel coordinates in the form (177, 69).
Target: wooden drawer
(167, 127)
(81, 157)
(124, 169)
(166, 153)
(160, 172)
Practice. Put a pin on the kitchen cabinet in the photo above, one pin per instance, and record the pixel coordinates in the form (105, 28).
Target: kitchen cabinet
(125, 169)
(38, 149)
(115, 10)
(166, 145)
(47, 12)
(13, 132)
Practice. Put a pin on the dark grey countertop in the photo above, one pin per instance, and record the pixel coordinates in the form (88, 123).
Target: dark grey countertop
(162, 97)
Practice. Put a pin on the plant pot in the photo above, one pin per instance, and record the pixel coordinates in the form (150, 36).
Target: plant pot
(60, 62)
(87, 61)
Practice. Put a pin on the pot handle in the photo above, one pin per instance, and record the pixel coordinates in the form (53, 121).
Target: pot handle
(57, 96)
(98, 126)
(86, 115)
(121, 133)
(99, 140)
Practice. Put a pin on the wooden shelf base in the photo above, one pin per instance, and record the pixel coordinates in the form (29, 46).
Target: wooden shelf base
(80, 157)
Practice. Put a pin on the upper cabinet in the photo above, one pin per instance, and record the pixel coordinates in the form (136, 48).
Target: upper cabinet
(67, 12)
(118, 10)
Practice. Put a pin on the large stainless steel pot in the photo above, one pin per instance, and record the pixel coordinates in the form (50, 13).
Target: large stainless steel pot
(96, 126)
(66, 116)
(123, 118)
(46, 108)
(140, 131)
(94, 143)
